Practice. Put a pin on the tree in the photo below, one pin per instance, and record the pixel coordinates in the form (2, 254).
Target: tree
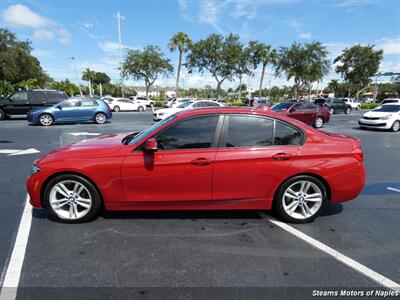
(218, 55)
(263, 54)
(67, 86)
(333, 86)
(101, 79)
(88, 75)
(358, 63)
(147, 64)
(181, 42)
(304, 63)
(16, 62)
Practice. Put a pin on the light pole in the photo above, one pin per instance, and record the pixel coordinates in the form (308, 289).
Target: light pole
(120, 54)
(76, 74)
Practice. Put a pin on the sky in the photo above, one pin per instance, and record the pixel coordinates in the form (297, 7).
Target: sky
(87, 30)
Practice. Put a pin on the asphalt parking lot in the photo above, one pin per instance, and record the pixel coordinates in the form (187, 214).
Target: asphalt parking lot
(224, 254)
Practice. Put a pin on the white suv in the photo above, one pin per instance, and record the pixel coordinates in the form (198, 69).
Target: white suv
(143, 100)
(390, 100)
(353, 103)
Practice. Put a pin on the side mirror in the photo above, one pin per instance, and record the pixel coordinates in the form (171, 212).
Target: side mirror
(151, 145)
(292, 110)
(59, 107)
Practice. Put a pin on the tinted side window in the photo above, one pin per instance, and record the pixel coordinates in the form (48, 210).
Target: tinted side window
(338, 101)
(212, 104)
(286, 135)
(71, 103)
(19, 96)
(189, 134)
(249, 131)
(37, 97)
(54, 96)
(89, 102)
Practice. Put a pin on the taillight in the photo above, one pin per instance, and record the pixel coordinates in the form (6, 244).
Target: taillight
(358, 154)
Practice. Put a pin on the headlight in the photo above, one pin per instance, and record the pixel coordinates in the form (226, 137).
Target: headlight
(388, 117)
(35, 169)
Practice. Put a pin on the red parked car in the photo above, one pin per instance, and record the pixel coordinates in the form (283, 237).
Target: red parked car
(205, 159)
(306, 112)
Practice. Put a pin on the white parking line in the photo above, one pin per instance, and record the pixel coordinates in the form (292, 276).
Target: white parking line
(13, 272)
(371, 274)
(393, 189)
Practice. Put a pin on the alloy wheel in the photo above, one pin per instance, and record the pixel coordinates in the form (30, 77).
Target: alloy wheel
(46, 120)
(70, 200)
(319, 122)
(331, 111)
(302, 199)
(100, 118)
(396, 126)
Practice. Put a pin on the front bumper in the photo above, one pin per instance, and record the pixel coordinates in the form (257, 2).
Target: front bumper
(378, 124)
(34, 185)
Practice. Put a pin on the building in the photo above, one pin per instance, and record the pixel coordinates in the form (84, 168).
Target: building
(155, 91)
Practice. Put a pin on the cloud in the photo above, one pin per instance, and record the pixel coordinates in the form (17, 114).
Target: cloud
(209, 14)
(43, 34)
(111, 47)
(305, 35)
(350, 3)
(389, 46)
(19, 15)
(389, 66)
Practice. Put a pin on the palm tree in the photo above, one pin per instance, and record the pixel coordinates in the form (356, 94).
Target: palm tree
(89, 75)
(182, 42)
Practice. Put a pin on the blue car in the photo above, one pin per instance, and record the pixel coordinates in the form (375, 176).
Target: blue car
(71, 111)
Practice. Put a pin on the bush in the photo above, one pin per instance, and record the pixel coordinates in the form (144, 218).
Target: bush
(158, 103)
(369, 105)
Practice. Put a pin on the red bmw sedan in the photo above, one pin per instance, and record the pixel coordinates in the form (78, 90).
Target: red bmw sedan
(202, 159)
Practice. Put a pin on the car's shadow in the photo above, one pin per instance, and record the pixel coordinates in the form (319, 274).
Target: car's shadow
(189, 215)
(71, 123)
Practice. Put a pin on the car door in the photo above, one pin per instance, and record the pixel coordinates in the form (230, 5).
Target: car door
(68, 110)
(309, 113)
(339, 105)
(17, 103)
(37, 99)
(297, 112)
(180, 170)
(253, 156)
(88, 109)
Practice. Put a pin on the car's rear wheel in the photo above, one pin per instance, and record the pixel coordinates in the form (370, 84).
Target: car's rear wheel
(300, 199)
(140, 108)
(319, 121)
(395, 126)
(331, 111)
(100, 118)
(2, 115)
(347, 110)
(358, 107)
(71, 199)
(116, 108)
(46, 120)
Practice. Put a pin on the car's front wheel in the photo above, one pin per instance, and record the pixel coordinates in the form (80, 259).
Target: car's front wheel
(2, 115)
(140, 108)
(100, 118)
(347, 110)
(300, 199)
(331, 111)
(46, 120)
(358, 107)
(71, 199)
(116, 108)
(319, 121)
(395, 126)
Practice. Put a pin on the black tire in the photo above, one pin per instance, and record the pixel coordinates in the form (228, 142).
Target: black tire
(319, 122)
(358, 107)
(93, 212)
(279, 198)
(46, 119)
(395, 126)
(347, 110)
(100, 118)
(140, 108)
(3, 115)
(116, 108)
(332, 111)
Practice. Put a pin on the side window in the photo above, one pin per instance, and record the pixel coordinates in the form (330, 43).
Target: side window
(89, 103)
(249, 131)
(286, 135)
(37, 97)
(20, 96)
(212, 104)
(200, 104)
(194, 133)
(309, 106)
(56, 96)
(71, 103)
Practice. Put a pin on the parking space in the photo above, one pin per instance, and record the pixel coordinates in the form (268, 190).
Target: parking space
(146, 250)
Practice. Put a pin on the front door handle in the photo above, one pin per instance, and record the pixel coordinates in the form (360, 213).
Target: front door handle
(282, 156)
(201, 161)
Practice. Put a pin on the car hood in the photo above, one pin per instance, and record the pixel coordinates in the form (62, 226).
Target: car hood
(377, 114)
(95, 147)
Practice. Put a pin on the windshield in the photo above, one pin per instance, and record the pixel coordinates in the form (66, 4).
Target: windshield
(185, 104)
(388, 108)
(281, 106)
(150, 130)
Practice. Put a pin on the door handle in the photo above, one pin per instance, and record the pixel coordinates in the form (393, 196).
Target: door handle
(282, 156)
(201, 161)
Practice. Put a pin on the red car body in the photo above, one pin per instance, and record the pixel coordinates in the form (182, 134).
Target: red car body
(201, 179)
(308, 115)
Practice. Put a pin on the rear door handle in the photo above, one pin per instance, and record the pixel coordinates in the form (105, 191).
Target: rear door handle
(282, 156)
(201, 161)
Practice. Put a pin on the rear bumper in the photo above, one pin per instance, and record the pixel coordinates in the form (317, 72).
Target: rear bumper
(347, 184)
